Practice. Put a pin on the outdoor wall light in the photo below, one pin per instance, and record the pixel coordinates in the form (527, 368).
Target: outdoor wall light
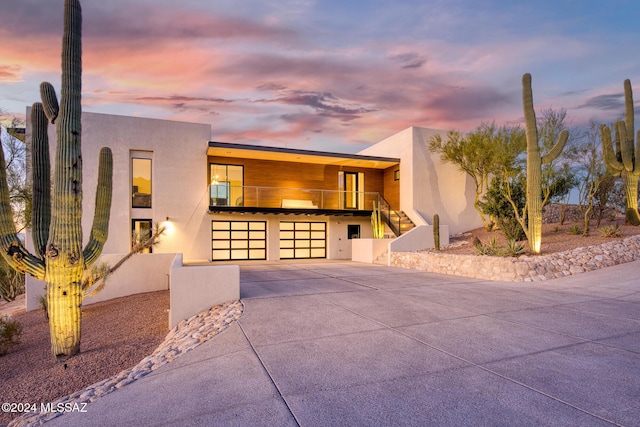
(168, 227)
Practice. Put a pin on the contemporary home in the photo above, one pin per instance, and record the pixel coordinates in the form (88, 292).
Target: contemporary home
(277, 203)
(221, 201)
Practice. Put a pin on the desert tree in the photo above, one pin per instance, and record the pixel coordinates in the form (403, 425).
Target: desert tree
(593, 174)
(558, 176)
(14, 150)
(473, 154)
(12, 281)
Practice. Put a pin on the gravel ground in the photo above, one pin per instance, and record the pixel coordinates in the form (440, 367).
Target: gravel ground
(555, 237)
(116, 335)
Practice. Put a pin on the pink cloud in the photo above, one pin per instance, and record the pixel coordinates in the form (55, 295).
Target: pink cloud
(10, 73)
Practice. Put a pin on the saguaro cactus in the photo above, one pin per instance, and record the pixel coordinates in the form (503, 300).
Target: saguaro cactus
(534, 166)
(624, 161)
(436, 231)
(58, 257)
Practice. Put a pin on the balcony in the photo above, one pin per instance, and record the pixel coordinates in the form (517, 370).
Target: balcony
(277, 200)
(224, 198)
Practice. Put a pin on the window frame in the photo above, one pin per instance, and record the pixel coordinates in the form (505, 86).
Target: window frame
(133, 230)
(350, 233)
(135, 158)
(227, 188)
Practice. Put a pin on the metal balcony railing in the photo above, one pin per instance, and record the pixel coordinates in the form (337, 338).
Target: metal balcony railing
(223, 195)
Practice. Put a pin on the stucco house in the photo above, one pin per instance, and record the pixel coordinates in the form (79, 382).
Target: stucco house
(222, 201)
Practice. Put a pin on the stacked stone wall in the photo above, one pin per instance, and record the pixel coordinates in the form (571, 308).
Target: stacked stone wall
(523, 268)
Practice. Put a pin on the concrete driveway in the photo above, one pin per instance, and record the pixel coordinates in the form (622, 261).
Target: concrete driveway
(340, 343)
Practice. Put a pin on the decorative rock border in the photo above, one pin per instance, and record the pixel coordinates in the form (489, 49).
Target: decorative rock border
(524, 268)
(186, 336)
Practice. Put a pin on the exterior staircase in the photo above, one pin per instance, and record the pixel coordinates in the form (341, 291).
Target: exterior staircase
(402, 221)
(398, 221)
(383, 259)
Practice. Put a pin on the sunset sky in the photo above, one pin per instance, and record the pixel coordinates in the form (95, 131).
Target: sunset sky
(326, 74)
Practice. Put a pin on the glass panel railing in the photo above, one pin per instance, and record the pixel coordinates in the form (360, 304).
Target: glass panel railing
(391, 216)
(289, 198)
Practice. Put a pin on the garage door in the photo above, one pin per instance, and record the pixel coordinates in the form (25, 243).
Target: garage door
(303, 240)
(238, 240)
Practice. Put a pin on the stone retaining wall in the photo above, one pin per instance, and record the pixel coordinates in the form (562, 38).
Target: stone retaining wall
(524, 268)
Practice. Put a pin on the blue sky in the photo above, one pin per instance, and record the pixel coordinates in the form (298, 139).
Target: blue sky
(329, 75)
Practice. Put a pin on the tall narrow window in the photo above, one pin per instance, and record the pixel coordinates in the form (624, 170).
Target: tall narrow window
(140, 232)
(140, 183)
(351, 190)
(351, 185)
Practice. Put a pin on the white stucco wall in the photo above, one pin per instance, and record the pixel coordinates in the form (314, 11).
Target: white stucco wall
(195, 289)
(179, 179)
(427, 185)
(142, 273)
(338, 243)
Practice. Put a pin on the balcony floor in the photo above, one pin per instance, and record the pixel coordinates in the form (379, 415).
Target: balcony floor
(289, 211)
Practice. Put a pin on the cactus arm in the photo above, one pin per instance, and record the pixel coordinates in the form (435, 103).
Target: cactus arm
(628, 104)
(629, 122)
(100, 228)
(49, 101)
(41, 180)
(608, 150)
(11, 247)
(626, 146)
(638, 145)
(557, 148)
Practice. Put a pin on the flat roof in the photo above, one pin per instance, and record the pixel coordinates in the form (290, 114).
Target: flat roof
(225, 149)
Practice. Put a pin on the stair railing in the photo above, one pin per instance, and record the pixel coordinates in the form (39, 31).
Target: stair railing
(387, 213)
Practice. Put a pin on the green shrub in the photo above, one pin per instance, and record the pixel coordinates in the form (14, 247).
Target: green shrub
(610, 231)
(489, 248)
(514, 248)
(497, 206)
(10, 331)
(492, 248)
(575, 230)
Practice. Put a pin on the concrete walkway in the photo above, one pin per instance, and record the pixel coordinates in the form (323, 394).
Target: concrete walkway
(340, 343)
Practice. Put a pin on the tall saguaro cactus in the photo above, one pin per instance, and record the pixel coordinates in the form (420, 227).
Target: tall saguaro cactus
(58, 257)
(625, 160)
(534, 166)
